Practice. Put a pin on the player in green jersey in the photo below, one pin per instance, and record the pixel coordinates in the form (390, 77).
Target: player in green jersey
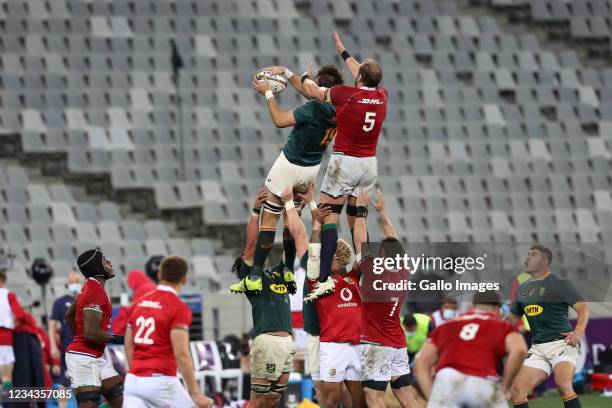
(297, 166)
(545, 299)
(272, 349)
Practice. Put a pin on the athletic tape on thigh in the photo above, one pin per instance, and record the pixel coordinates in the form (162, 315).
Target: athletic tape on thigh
(88, 396)
(351, 210)
(114, 392)
(401, 381)
(272, 207)
(375, 385)
(278, 388)
(336, 208)
(260, 388)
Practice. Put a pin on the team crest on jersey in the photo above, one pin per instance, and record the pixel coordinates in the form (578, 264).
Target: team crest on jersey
(533, 310)
(542, 290)
(349, 280)
(524, 293)
(332, 372)
(278, 288)
(270, 367)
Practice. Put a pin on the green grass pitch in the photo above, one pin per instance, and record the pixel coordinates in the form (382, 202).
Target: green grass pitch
(552, 400)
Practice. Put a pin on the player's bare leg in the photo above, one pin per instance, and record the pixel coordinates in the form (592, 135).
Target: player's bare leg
(112, 389)
(276, 391)
(272, 210)
(526, 380)
(404, 396)
(564, 375)
(332, 394)
(356, 392)
(351, 212)
(374, 398)
(7, 373)
(260, 388)
(87, 397)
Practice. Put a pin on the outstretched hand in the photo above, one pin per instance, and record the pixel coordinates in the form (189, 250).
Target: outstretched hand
(380, 201)
(338, 43)
(261, 86)
(262, 196)
(287, 195)
(571, 338)
(322, 212)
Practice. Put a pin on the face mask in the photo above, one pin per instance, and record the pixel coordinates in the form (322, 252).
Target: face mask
(448, 314)
(74, 288)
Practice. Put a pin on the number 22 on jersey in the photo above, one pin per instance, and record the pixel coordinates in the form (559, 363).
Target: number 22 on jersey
(145, 327)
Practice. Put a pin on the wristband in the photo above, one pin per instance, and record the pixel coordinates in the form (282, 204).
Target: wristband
(269, 94)
(289, 205)
(288, 74)
(345, 55)
(255, 212)
(361, 211)
(305, 77)
(312, 205)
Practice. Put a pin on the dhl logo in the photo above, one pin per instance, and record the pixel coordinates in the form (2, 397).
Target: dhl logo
(533, 310)
(278, 288)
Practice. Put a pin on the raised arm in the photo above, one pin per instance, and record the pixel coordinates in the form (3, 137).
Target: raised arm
(351, 63)
(296, 226)
(252, 230)
(280, 118)
(388, 229)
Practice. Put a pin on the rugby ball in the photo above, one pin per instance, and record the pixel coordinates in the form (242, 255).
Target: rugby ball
(278, 82)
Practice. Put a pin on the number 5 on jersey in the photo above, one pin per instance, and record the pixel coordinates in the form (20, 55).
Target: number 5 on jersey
(370, 118)
(143, 324)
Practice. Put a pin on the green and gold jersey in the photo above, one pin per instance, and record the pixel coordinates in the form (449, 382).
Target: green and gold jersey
(270, 309)
(309, 313)
(314, 130)
(545, 302)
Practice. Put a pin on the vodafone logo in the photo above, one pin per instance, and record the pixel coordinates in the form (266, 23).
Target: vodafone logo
(346, 294)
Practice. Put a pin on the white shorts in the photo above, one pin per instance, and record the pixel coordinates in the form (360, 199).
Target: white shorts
(346, 175)
(380, 363)
(149, 392)
(6, 355)
(340, 362)
(545, 356)
(313, 354)
(85, 370)
(453, 389)
(285, 174)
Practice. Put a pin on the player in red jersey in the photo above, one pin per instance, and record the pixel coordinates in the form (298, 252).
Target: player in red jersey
(360, 112)
(340, 323)
(466, 352)
(89, 318)
(157, 341)
(384, 358)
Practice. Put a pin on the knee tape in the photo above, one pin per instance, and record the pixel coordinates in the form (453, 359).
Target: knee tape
(336, 208)
(88, 396)
(351, 210)
(260, 388)
(278, 388)
(115, 392)
(272, 207)
(401, 382)
(375, 385)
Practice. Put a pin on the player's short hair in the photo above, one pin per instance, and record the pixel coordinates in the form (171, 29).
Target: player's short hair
(2, 277)
(344, 252)
(173, 269)
(487, 298)
(543, 250)
(449, 300)
(390, 247)
(330, 75)
(370, 72)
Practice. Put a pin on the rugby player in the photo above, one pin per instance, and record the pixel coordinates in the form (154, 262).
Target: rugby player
(385, 357)
(545, 299)
(157, 342)
(297, 165)
(89, 317)
(466, 352)
(272, 348)
(361, 110)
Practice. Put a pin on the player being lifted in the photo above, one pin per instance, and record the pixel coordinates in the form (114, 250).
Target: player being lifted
(466, 352)
(360, 112)
(89, 318)
(384, 357)
(297, 166)
(157, 342)
(545, 299)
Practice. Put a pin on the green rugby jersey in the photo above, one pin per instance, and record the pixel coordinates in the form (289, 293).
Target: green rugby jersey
(313, 131)
(545, 302)
(270, 309)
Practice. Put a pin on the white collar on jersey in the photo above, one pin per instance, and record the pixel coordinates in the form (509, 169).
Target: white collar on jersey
(367, 88)
(95, 280)
(167, 289)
